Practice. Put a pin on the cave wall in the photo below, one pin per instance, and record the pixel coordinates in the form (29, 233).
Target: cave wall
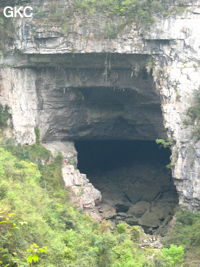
(173, 43)
(104, 98)
(99, 103)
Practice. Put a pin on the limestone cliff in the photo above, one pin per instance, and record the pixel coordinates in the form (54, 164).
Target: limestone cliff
(80, 85)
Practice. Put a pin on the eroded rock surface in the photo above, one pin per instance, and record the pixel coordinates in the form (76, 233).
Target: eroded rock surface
(66, 96)
(80, 191)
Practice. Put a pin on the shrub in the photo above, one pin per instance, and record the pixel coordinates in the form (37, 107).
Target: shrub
(36, 152)
(165, 143)
(4, 116)
(186, 231)
(35, 214)
(6, 33)
(118, 13)
(170, 257)
(174, 255)
(37, 135)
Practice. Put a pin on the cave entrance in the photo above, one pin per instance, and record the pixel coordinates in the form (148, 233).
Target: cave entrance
(132, 176)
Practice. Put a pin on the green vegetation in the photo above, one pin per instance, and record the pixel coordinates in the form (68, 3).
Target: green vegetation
(193, 114)
(4, 116)
(171, 257)
(6, 33)
(116, 13)
(37, 135)
(186, 233)
(165, 143)
(35, 153)
(170, 165)
(194, 111)
(121, 13)
(33, 253)
(141, 11)
(39, 227)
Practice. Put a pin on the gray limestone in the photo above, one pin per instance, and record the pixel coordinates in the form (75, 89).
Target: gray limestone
(57, 92)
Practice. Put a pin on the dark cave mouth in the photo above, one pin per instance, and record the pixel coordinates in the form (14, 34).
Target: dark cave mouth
(132, 176)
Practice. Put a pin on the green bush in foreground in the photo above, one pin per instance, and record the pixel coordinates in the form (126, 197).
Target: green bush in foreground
(39, 227)
(186, 231)
(171, 257)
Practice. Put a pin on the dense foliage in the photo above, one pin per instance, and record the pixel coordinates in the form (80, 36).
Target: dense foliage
(186, 232)
(165, 143)
(116, 14)
(141, 11)
(123, 12)
(38, 226)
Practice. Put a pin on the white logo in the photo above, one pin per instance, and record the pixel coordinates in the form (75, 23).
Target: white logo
(14, 12)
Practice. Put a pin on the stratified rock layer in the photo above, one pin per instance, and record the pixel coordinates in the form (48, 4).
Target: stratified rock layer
(32, 93)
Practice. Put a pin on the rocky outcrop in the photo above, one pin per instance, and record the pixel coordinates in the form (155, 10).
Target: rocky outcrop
(17, 90)
(57, 92)
(139, 193)
(80, 191)
(177, 77)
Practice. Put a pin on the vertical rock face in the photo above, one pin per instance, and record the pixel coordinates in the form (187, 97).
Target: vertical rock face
(17, 90)
(177, 77)
(59, 93)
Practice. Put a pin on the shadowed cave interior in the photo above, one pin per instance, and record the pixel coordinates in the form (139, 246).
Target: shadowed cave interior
(132, 176)
(105, 103)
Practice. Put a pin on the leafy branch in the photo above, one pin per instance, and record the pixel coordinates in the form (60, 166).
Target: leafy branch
(165, 143)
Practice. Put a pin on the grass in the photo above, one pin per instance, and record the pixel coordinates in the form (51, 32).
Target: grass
(38, 226)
